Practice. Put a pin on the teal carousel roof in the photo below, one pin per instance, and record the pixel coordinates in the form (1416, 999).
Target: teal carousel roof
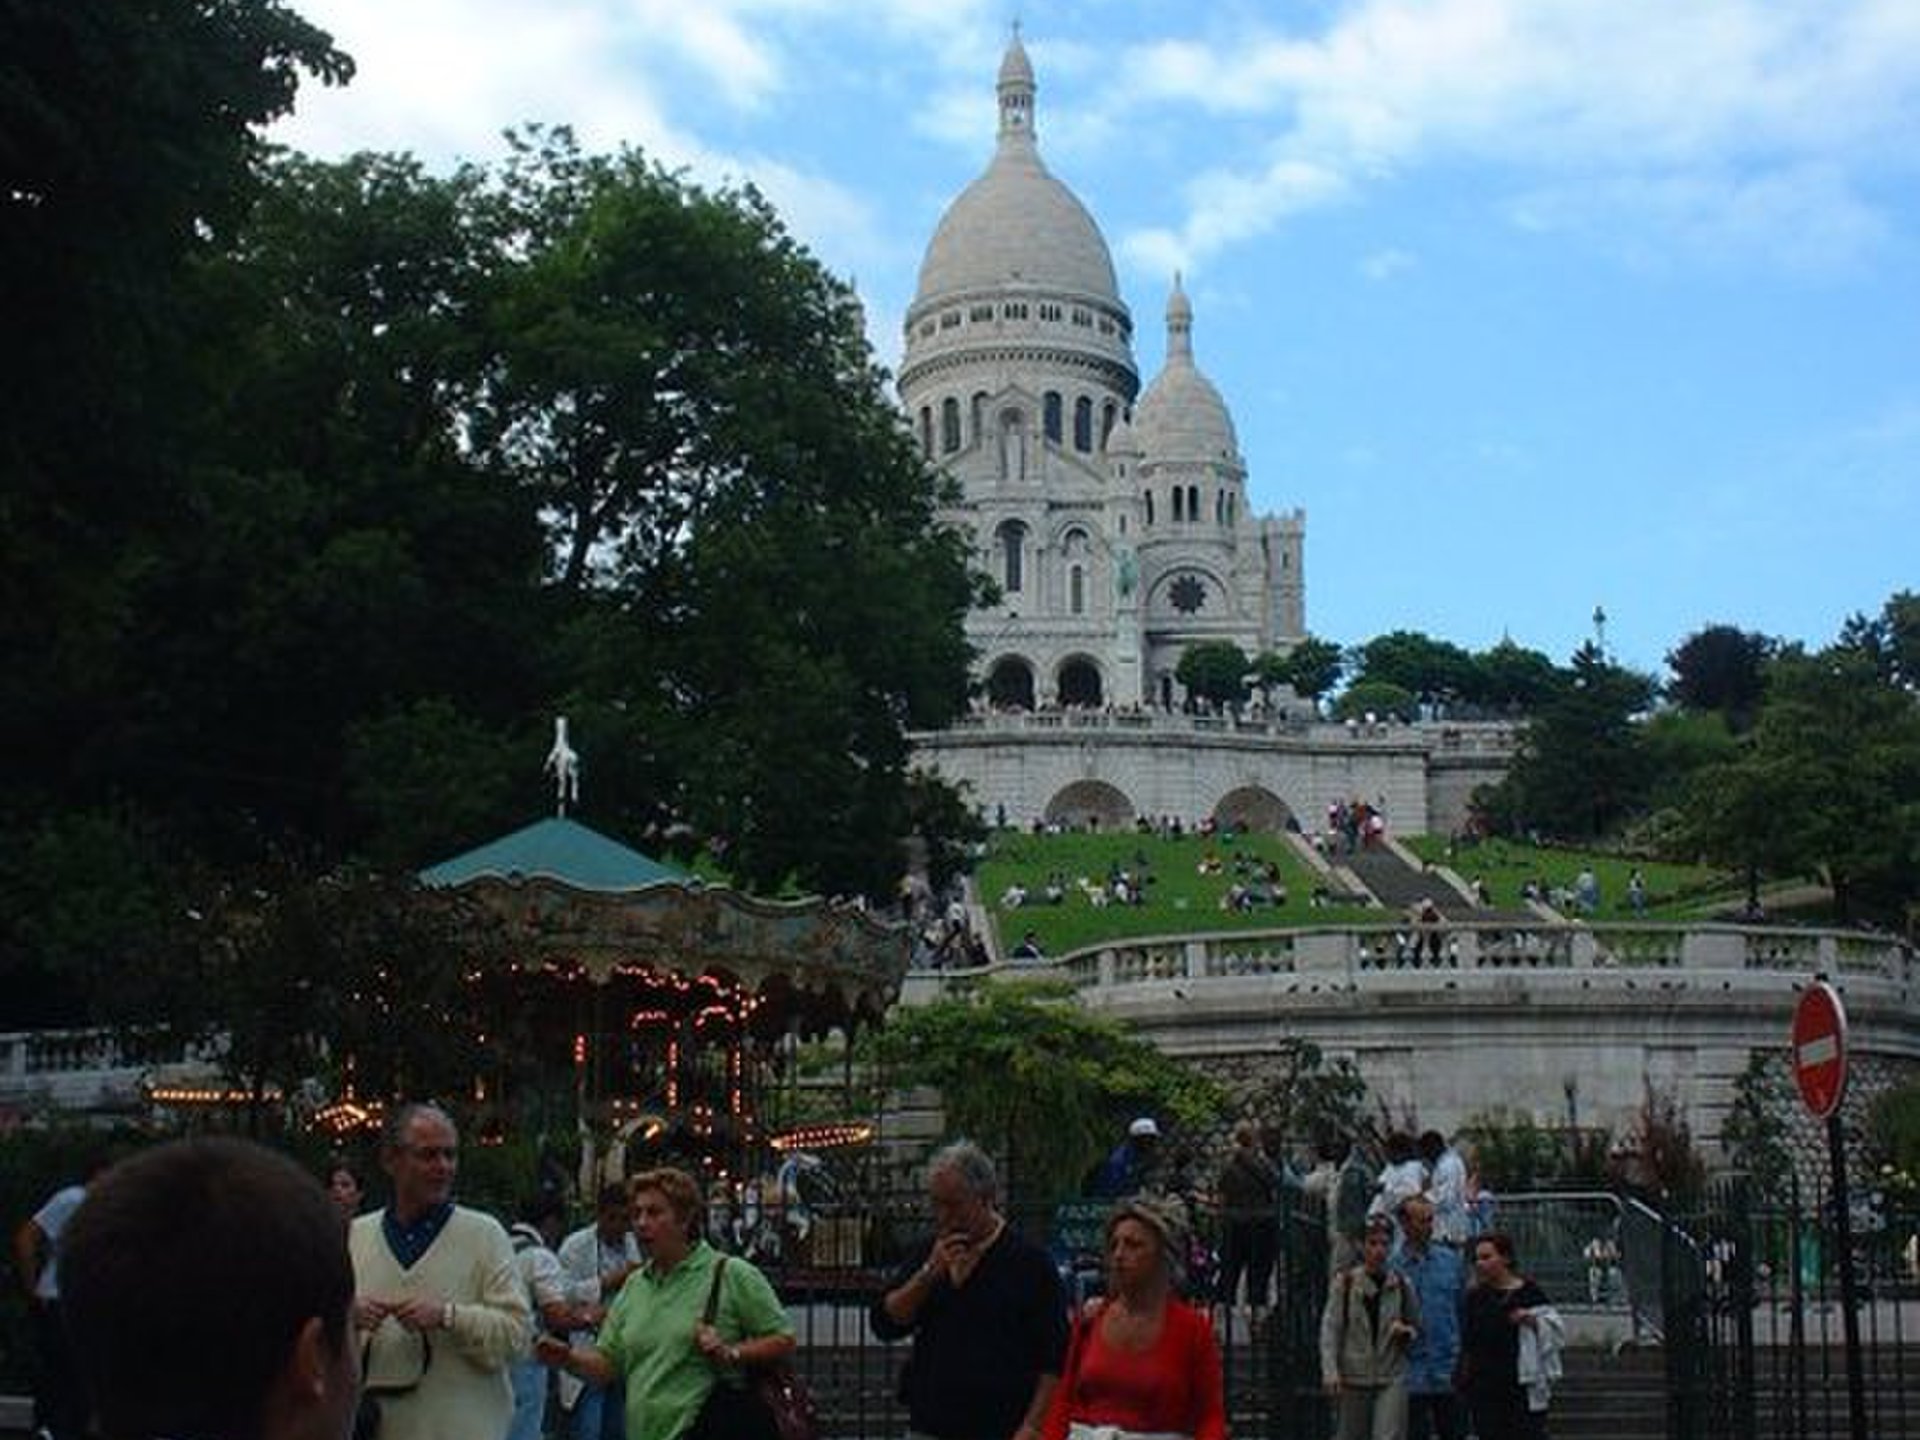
(563, 850)
(568, 901)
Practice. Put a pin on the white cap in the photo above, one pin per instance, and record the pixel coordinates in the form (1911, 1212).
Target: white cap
(1144, 1126)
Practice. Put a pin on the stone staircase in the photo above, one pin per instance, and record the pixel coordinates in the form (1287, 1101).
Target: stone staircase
(1611, 1395)
(1399, 881)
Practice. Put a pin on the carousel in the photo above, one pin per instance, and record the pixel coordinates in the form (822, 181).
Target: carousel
(676, 1009)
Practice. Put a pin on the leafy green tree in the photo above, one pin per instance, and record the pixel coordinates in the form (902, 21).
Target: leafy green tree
(1378, 698)
(1514, 679)
(1721, 669)
(298, 973)
(1679, 745)
(1023, 1068)
(762, 598)
(1893, 1128)
(1214, 671)
(1582, 766)
(1312, 667)
(1758, 1131)
(1433, 671)
(1828, 782)
(128, 140)
(1889, 640)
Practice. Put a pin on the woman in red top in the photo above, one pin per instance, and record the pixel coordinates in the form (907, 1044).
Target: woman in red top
(1142, 1362)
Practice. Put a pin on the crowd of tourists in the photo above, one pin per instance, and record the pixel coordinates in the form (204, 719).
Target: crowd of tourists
(210, 1288)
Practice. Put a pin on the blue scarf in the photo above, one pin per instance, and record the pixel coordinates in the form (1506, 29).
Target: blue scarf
(409, 1242)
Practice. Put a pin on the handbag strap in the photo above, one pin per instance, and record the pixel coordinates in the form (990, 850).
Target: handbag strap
(426, 1364)
(713, 1290)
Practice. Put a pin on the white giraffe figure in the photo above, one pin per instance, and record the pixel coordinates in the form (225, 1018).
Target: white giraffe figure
(563, 763)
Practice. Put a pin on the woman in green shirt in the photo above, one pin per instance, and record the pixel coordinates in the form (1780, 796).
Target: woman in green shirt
(655, 1335)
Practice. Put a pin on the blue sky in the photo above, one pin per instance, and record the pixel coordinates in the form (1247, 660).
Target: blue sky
(1532, 305)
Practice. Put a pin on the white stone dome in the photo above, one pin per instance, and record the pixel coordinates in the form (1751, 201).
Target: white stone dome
(1017, 225)
(1182, 417)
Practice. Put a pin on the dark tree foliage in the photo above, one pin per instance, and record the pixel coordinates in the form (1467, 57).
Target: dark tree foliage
(1214, 671)
(1433, 671)
(128, 136)
(1514, 680)
(1721, 669)
(1581, 768)
(1378, 699)
(1827, 783)
(1312, 667)
(385, 469)
(1890, 641)
(761, 600)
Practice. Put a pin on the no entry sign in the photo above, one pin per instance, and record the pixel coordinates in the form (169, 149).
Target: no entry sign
(1820, 1049)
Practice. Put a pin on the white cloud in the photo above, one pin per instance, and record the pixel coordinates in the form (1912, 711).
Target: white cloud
(1385, 264)
(1723, 124)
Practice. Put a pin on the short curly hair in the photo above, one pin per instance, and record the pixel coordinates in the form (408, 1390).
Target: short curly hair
(681, 1191)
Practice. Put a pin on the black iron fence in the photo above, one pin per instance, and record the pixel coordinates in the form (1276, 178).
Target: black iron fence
(1733, 1305)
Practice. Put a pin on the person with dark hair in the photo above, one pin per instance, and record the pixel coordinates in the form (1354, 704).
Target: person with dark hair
(984, 1308)
(438, 1294)
(207, 1291)
(1249, 1191)
(1371, 1316)
(690, 1322)
(346, 1187)
(597, 1259)
(1142, 1361)
(59, 1407)
(1510, 1339)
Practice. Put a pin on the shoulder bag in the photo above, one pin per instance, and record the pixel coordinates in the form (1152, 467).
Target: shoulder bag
(774, 1403)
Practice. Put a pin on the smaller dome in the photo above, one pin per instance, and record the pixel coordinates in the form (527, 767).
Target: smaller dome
(1121, 440)
(1182, 417)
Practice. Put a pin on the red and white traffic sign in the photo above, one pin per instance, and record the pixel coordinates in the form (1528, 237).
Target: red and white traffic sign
(1820, 1049)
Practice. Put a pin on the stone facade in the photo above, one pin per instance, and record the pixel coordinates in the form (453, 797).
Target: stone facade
(1116, 525)
(1119, 534)
(1112, 769)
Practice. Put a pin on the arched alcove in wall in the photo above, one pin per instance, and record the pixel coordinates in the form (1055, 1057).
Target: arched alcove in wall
(1253, 807)
(1010, 684)
(1078, 682)
(1090, 805)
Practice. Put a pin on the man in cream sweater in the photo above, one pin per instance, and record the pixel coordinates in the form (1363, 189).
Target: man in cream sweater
(437, 1295)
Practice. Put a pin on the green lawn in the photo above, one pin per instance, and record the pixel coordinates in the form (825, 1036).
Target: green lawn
(1179, 899)
(1674, 892)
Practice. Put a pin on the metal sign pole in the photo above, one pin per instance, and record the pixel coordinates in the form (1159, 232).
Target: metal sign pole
(1849, 1290)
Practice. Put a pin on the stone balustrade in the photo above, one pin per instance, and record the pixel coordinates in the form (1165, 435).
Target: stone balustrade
(1444, 737)
(1376, 955)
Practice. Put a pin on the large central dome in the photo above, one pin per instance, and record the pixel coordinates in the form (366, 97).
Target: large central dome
(1017, 225)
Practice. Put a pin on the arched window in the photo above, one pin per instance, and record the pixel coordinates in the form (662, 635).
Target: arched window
(1229, 509)
(1052, 416)
(1083, 425)
(1179, 504)
(1077, 590)
(1013, 544)
(1193, 503)
(1219, 507)
(1148, 497)
(949, 425)
(926, 429)
(977, 418)
(1109, 417)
